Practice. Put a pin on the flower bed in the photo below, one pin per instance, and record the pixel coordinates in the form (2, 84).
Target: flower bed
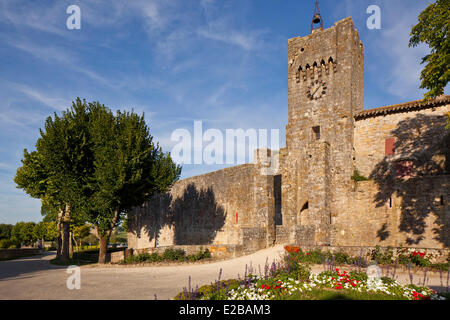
(292, 280)
(264, 289)
(386, 257)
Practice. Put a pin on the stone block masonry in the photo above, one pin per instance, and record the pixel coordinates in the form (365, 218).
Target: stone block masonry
(311, 198)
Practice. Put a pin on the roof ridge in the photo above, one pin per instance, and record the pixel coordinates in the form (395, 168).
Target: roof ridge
(417, 104)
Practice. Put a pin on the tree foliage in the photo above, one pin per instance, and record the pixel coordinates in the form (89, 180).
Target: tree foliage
(22, 232)
(128, 167)
(52, 231)
(5, 230)
(91, 165)
(56, 171)
(432, 30)
(40, 231)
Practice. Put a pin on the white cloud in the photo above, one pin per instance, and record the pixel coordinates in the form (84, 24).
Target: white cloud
(56, 103)
(28, 15)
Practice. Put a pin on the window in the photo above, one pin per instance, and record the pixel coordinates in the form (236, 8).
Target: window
(389, 146)
(404, 169)
(316, 133)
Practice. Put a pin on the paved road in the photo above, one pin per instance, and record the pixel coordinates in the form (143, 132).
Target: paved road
(36, 278)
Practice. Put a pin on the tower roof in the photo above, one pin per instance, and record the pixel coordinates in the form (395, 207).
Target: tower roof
(403, 107)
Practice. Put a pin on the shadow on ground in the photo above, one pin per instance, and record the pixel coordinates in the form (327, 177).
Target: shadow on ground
(25, 267)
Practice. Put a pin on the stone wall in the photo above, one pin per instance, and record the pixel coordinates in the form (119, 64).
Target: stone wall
(419, 135)
(411, 216)
(310, 198)
(6, 254)
(392, 208)
(220, 208)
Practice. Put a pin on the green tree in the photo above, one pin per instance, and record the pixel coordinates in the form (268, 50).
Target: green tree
(5, 231)
(432, 29)
(22, 232)
(56, 171)
(79, 232)
(128, 169)
(40, 232)
(52, 231)
(16, 232)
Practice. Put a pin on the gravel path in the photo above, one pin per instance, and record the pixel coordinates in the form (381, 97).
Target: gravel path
(36, 278)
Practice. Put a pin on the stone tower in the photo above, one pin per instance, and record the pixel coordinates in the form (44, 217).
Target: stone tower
(326, 89)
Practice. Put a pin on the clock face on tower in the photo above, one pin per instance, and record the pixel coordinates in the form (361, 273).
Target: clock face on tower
(316, 89)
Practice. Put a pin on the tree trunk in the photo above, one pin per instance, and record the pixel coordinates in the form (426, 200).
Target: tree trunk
(58, 239)
(65, 235)
(75, 240)
(65, 242)
(103, 245)
(70, 244)
(58, 246)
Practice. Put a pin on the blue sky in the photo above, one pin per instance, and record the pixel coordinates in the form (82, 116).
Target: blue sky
(220, 61)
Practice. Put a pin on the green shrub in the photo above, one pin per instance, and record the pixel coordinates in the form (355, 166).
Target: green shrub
(174, 254)
(215, 291)
(357, 177)
(155, 257)
(361, 276)
(142, 257)
(342, 258)
(441, 266)
(200, 255)
(5, 243)
(418, 260)
(386, 257)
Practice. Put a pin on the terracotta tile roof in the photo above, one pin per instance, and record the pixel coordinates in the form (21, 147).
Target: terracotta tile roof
(403, 107)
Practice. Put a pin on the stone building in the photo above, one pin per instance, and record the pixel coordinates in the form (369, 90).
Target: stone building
(348, 177)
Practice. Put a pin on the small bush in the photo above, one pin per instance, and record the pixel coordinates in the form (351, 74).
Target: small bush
(361, 276)
(200, 255)
(357, 177)
(215, 291)
(174, 254)
(5, 243)
(342, 258)
(142, 257)
(168, 255)
(441, 266)
(386, 257)
(420, 259)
